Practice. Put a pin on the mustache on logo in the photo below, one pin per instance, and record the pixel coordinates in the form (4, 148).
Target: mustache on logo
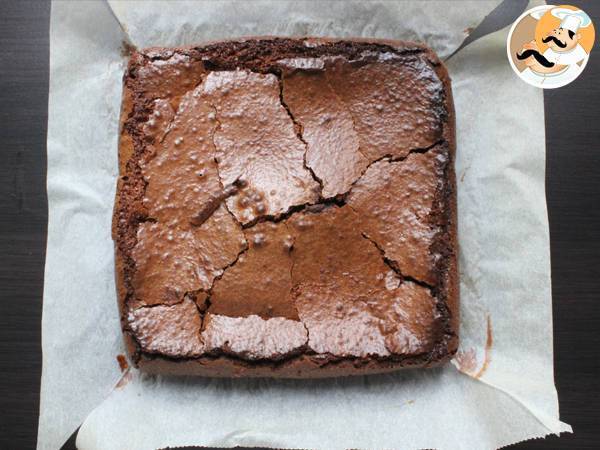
(538, 57)
(555, 40)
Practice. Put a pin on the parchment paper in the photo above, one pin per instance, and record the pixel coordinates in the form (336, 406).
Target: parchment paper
(500, 388)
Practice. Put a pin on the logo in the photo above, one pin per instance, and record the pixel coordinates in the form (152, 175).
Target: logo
(549, 46)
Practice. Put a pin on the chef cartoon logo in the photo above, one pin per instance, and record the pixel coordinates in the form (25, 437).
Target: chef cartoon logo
(549, 46)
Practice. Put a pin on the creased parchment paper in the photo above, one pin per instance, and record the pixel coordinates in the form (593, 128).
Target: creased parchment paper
(500, 387)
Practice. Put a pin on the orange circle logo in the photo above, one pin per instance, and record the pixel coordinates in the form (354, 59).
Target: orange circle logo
(549, 46)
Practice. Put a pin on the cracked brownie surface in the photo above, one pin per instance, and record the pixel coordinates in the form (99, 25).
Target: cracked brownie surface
(287, 208)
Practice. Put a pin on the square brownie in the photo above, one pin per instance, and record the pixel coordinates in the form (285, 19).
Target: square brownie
(287, 208)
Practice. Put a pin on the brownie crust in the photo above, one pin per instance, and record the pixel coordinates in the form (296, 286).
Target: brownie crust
(228, 318)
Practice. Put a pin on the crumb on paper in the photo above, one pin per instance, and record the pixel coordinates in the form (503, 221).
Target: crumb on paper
(468, 30)
(123, 364)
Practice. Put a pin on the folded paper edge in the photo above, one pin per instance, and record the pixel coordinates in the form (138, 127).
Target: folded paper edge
(42, 444)
(452, 52)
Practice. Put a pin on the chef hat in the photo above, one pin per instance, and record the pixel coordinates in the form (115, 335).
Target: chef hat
(540, 11)
(572, 20)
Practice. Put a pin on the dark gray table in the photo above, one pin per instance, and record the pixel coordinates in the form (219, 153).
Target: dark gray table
(573, 192)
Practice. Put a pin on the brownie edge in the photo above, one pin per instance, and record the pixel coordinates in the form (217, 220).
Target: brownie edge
(287, 208)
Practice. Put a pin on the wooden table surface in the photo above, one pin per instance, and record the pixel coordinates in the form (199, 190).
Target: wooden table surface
(573, 194)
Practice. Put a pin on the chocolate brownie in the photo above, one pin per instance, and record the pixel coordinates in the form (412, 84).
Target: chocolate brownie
(287, 208)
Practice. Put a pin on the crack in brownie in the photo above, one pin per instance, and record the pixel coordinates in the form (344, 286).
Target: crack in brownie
(287, 208)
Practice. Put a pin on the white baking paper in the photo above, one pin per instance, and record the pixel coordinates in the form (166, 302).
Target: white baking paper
(500, 388)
